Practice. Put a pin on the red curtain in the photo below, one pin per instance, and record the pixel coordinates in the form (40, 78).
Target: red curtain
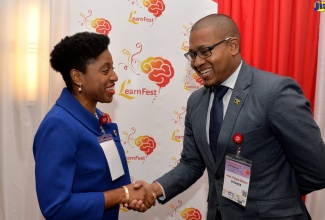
(279, 36)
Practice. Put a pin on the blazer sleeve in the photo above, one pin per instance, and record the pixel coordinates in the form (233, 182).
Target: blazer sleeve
(293, 124)
(55, 146)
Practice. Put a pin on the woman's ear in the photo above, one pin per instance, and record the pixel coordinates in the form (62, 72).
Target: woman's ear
(76, 77)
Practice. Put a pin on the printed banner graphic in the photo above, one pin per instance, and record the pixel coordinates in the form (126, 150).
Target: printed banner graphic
(148, 42)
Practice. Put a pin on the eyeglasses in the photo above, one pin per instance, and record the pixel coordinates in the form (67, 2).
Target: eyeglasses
(203, 52)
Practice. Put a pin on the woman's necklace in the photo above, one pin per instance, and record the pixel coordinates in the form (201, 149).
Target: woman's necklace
(100, 126)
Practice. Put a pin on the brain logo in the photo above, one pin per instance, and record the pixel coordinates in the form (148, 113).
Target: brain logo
(101, 25)
(191, 214)
(197, 78)
(158, 69)
(156, 7)
(146, 144)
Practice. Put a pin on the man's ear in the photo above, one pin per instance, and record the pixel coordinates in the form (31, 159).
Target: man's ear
(235, 45)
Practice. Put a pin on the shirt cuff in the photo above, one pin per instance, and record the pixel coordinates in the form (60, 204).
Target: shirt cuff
(163, 197)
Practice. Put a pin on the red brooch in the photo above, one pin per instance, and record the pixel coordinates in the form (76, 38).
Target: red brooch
(105, 118)
(237, 138)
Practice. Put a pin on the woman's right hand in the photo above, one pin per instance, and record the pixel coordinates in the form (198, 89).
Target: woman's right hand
(142, 197)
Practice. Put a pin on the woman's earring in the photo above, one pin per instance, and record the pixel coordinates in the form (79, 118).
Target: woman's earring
(79, 88)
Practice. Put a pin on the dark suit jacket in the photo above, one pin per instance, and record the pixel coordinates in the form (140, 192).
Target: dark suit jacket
(71, 168)
(280, 137)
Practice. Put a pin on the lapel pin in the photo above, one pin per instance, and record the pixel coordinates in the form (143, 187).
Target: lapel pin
(238, 138)
(237, 101)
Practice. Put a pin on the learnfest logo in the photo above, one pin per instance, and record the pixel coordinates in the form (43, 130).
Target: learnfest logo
(157, 69)
(143, 144)
(147, 11)
(100, 25)
(178, 121)
(319, 6)
(193, 81)
(186, 214)
(177, 135)
(175, 162)
(186, 34)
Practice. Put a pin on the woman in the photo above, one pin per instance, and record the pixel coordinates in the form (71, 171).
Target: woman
(81, 170)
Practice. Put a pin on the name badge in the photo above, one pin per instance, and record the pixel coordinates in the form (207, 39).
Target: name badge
(112, 156)
(236, 179)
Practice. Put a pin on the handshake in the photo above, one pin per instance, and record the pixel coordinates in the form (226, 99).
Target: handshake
(141, 196)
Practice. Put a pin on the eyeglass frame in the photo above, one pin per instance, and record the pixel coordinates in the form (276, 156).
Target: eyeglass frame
(210, 48)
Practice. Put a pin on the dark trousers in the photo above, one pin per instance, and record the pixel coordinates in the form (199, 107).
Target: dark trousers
(218, 215)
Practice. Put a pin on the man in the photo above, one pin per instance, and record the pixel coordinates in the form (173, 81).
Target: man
(267, 128)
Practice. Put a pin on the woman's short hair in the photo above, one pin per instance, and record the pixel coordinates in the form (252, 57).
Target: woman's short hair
(77, 52)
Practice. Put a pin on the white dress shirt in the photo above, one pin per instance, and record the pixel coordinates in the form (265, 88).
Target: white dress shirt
(230, 83)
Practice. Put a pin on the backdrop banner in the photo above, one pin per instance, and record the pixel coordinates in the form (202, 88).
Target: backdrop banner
(148, 40)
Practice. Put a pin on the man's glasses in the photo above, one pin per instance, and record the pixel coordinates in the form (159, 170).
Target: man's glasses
(203, 52)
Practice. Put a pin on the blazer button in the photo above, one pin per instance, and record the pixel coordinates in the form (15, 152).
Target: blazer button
(216, 177)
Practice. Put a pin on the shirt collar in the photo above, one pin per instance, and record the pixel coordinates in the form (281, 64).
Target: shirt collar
(231, 81)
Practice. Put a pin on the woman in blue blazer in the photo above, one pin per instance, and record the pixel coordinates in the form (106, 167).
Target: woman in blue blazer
(81, 169)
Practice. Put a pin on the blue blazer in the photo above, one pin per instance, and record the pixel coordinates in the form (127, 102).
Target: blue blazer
(71, 169)
(280, 137)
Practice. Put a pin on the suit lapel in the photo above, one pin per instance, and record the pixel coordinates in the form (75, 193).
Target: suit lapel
(236, 102)
(200, 120)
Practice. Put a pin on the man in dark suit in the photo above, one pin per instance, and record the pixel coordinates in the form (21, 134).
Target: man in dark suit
(267, 128)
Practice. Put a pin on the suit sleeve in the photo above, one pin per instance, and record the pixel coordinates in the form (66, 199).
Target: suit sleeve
(191, 166)
(55, 146)
(293, 124)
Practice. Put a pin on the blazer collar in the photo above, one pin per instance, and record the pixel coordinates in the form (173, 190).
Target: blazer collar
(68, 102)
